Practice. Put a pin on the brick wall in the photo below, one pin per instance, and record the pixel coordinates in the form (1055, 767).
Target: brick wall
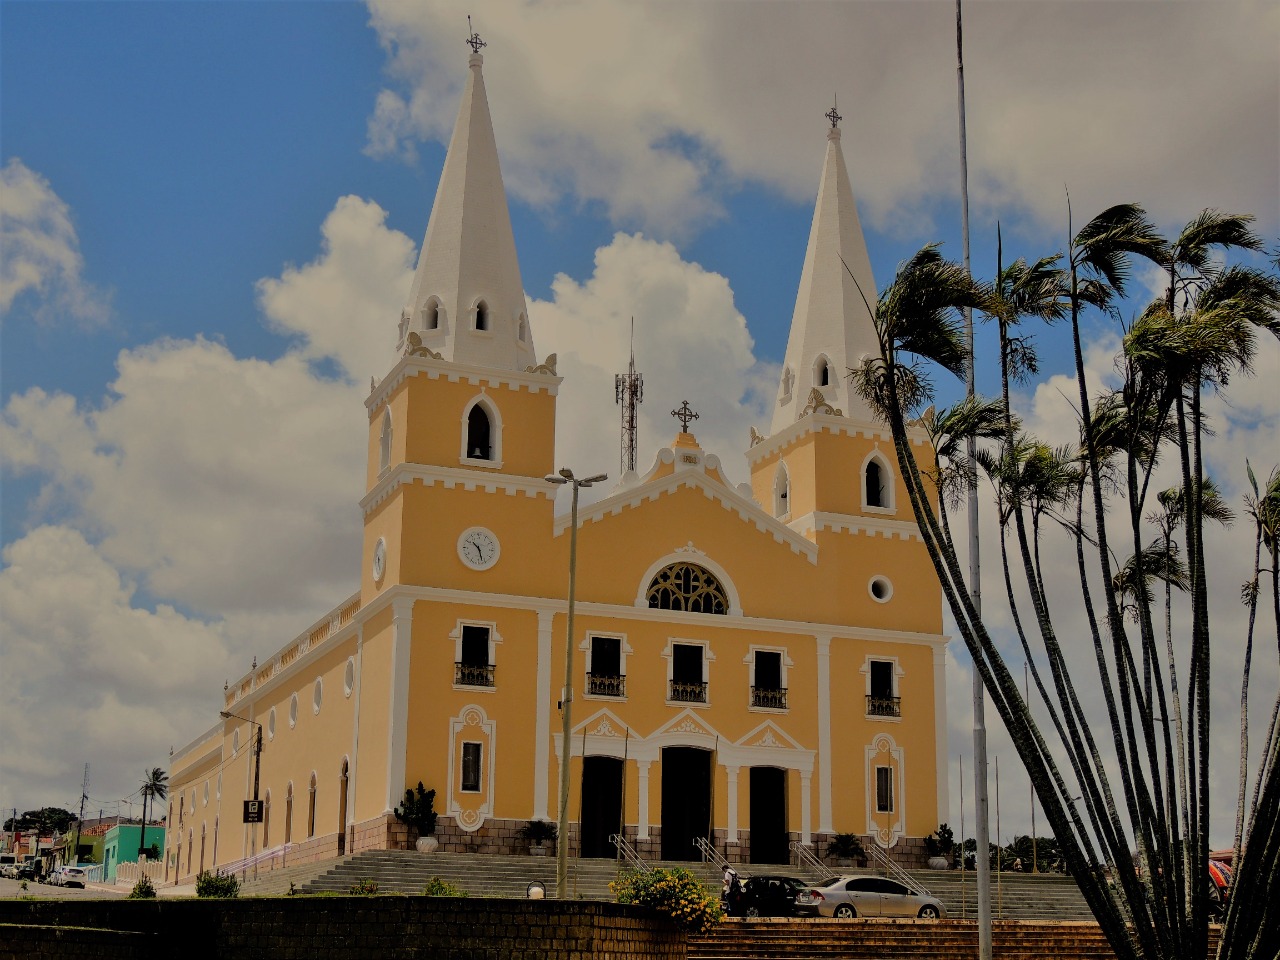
(337, 928)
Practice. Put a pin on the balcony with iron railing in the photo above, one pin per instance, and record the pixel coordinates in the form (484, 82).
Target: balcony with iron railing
(606, 685)
(473, 675)
(688, 692)
(884, 706)
(772, 698)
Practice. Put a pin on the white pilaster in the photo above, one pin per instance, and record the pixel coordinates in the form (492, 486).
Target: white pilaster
(355, 721)
(642, 785)
(542, 719)
(940, 731)
(824, 736)
(398, 714)
(731, 796)
(806, 808)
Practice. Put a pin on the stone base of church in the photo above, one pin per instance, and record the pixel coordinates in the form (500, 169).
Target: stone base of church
(313, 849)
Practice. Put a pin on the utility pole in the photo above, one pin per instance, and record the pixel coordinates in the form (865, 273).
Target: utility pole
(84, 795)
(981, 813)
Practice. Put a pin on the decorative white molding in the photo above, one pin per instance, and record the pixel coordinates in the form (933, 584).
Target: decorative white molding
(451, 477)
(824, 734)
(806, 808)
(886, 828)
(682, 555)
(731, 800)
(940, 733)
(642, 786)
(398, 715)
(434, 369)
(825, 423)
(473, 716)
(542, 718)
(847, 523)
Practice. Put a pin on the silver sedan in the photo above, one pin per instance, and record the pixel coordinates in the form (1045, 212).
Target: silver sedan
(866, 897)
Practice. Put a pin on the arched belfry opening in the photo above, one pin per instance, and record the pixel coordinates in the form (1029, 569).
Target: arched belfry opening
(384, 441)
(479, 434)
(781, 492)
(822, 372)
(875, 491)
(482, 316)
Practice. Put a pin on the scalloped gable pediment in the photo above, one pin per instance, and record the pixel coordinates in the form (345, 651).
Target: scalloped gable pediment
(686, 723)
(769, 736)
(605, 723)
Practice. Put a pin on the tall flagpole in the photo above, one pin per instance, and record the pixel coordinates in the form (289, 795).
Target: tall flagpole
(981, 814)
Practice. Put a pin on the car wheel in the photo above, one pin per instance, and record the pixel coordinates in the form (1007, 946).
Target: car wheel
(844, 911)
(928, 912)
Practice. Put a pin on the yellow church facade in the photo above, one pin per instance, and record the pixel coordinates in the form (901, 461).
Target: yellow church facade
(756, 665)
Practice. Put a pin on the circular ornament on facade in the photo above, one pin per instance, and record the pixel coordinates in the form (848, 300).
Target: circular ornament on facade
(478, 548)
(293, 711)
(271, 724)
(379, 560)
(880, 589)
(317, 695)
(349, 677)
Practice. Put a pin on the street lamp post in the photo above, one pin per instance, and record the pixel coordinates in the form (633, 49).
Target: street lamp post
(257, 766)
(566, 704)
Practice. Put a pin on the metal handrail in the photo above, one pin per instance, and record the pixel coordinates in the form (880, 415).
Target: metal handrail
(262, 856)
(709, 853)
(628, 852)
(879, 854)
(884, 706)
(806, 859)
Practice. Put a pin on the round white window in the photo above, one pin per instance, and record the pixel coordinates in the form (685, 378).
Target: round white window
(235, 740)
(219, 786)
(271, 724)
(349, 677)
(317, 695)
(880, 589)
(293, 711)
(206, 793)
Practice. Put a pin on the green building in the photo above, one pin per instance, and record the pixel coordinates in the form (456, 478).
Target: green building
(120, 845)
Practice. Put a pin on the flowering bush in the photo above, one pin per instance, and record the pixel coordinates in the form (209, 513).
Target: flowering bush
(676, 892)
(364, 888)
(442, 888)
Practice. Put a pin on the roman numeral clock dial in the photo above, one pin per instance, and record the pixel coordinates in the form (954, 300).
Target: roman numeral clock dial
(478, 548)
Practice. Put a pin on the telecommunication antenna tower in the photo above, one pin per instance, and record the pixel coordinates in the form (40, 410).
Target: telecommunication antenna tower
(629, 391)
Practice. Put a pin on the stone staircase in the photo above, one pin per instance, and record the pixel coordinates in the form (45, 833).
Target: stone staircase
(1017, 896)
(406, 871)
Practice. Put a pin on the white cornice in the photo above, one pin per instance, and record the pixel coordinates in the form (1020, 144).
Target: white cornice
(451, 477)
(215, 747)
(827, 423)
(748, 510)
(434, 369)
(846, 523)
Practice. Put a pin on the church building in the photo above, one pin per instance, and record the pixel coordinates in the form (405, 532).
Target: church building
(755, 664)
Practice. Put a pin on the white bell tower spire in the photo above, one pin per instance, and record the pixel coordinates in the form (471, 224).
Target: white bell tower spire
(467, 299)
(831, 328)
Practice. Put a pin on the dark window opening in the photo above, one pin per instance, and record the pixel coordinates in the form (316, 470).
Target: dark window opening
(686, 586)
(471, 767)
(824, 374)
(605, 678)
(478, 432)
(882, 700)
(875, 485)
(432, 321)
(884, 789)
(768, 690)
(482, 316)
(474, 668)
(687, 684)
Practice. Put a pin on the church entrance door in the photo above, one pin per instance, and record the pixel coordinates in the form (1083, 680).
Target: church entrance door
(686, 801)
(769, 816)
(601, 805)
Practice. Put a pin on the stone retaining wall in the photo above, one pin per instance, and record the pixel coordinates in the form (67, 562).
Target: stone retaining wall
(336, 928)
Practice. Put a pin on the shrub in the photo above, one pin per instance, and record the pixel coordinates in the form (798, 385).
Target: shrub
(220, 885)
(846, 846)
(144, 889)
(940, 842)
(538, 831)
(676, 892)
(442, 888)
(364, 887)
(418, 810)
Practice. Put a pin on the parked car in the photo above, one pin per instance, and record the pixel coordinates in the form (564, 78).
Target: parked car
(54, 877)
(866, 897)
(29, 870)
(770, 895)
(72, 877)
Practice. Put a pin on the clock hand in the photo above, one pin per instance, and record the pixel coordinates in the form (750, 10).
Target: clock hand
(479, 553)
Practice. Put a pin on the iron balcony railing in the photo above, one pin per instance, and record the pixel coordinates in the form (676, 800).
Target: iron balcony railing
(884, 706)
(772, 697)
(606, 685)
(695, 692)
(473, 675)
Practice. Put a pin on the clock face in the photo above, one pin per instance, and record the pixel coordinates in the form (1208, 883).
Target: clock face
(379, 559)
(478, 548)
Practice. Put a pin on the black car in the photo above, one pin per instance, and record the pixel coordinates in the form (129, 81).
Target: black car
(770, 895)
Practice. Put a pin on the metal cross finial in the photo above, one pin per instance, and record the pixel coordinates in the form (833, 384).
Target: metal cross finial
(832, 115)
(474, 40)
(684, 415)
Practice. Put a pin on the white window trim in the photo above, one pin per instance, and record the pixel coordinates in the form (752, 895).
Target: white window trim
(317, 695)
(830, 388)
(784, 475)
(385, 440)
(877, 825)
(441, 317)
(495, 638)
(474, 315)
(495, 433)
(271, 724)
(871, 588)
(293, 711)
(624, 649)
(892, 791)
(668, 654)
(462, 788)
(887, 478)
(785, 384)
(750, 661)
(898, 673)
(689, 554)
(349, 677)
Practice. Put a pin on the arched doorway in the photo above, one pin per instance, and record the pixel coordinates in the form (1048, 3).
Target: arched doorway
(686, 801)
(342, 809)
(769, 816)
(601, 805)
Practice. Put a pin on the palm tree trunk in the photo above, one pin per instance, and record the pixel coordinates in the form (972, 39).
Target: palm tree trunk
(1244, 694)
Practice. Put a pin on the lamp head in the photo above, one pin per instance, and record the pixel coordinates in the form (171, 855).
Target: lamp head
(552, 478)
(566, 473)
(596, 479)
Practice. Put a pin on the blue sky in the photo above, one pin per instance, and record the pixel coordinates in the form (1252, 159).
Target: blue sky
(189, 156)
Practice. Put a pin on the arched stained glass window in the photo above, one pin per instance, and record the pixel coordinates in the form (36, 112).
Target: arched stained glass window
(687, 586)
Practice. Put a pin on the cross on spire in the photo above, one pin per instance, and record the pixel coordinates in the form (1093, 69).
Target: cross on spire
(474, 41)
(832, 115)
(684, 415)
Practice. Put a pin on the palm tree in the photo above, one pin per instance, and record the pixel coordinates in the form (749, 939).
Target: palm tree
(155, 786)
